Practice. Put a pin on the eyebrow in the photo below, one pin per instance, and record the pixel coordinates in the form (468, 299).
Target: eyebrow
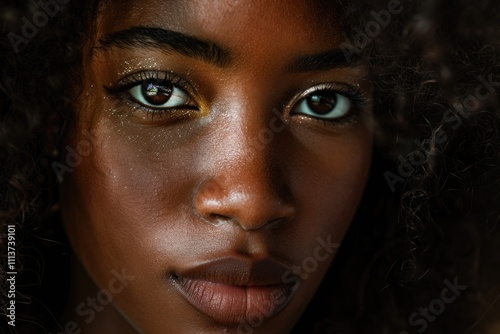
(208, 51)
(159, 38)
(324, 61)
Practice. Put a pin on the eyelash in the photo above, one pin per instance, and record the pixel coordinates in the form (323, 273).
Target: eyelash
(357, 98)
(123, 86)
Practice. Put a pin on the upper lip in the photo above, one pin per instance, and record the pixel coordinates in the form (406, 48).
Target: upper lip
(238, 271)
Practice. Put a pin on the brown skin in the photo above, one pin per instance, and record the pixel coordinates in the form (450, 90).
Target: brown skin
(163, 193)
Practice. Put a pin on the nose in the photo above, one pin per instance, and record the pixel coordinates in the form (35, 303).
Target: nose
(249, 188)
(251, 206)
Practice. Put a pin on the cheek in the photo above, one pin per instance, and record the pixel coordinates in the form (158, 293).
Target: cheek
(135, 188)
(329, 178)
(126, 207)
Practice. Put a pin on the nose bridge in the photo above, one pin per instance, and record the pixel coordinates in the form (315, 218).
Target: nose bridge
(250, 104)
(246, 186)
(249, 148)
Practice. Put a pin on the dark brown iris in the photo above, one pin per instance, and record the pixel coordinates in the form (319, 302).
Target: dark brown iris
(322, 103)
(157, 93)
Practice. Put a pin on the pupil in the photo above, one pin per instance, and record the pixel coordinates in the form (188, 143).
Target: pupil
(321, 104)
(156, 93)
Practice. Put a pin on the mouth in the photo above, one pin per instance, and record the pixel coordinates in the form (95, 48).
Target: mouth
(236, 290)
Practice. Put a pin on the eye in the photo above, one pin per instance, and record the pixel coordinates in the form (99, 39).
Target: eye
(324, 104)
(158, 94)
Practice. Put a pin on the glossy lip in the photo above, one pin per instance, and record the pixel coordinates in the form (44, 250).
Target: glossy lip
(235, 290)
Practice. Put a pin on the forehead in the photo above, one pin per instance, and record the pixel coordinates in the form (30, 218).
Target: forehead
(271, 24)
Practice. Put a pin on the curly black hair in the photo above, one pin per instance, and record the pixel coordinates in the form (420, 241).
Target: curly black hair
(428, 217)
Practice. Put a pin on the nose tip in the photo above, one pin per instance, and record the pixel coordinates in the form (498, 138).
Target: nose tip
(249, 206)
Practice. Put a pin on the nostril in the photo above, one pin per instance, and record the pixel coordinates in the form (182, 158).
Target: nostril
(218, 217)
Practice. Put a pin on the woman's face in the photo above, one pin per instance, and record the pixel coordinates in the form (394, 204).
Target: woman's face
(230, 146)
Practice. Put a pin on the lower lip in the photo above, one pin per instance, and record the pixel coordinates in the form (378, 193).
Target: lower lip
(233, 305)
